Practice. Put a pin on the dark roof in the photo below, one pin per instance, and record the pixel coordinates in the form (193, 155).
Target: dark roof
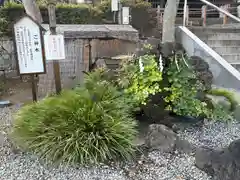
(104, 31)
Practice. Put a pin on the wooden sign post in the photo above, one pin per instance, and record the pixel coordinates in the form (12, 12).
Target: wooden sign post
(52, 26)
(28, 41)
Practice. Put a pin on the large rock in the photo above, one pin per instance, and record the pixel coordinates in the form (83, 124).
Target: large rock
(202, 70)
(223, 164)
(160, 137)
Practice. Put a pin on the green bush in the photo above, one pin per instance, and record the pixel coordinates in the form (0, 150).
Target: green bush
(78, 14)
(184, 88)
(65, 13)
(140, 84)
(90, 124)
(226, 94)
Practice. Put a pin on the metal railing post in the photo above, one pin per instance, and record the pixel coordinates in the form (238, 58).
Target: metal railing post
(158, 16)
(204, 15)
(185, 13)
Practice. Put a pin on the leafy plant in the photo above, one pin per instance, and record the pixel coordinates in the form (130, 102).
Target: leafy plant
(3, 26)
(184, 89)
(90, 124)
(140, 78)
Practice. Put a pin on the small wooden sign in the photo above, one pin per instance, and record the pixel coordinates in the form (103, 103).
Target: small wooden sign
(29, 46)
(54, 47)
(114, 5)
(125, 15)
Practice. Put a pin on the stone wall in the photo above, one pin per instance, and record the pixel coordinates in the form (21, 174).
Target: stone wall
(7, 58)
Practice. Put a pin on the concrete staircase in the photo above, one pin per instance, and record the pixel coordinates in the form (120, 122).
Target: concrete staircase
(225, 40)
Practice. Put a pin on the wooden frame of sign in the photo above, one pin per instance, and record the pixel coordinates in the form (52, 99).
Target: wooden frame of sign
(29, 49)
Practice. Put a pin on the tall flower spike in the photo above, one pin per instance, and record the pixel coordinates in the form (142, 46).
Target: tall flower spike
(160, 63)
(141, 65)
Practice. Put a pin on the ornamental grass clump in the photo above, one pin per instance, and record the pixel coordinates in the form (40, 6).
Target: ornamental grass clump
(88, 125)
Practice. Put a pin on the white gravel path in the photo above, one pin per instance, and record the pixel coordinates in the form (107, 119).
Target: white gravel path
(214, 134)
(157, 166)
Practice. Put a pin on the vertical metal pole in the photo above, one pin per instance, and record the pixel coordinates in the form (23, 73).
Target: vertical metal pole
(187, 16)
(158, 16)
(204, 15)
(185, 13)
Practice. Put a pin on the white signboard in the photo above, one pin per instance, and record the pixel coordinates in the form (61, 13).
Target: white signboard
(28, 45)
(114, 5)
(54, 47)
(125, 15)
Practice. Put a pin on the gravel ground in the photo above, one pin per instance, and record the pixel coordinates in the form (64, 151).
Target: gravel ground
(214, 134)
(157, 166)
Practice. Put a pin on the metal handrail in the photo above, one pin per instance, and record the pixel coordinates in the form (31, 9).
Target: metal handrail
(213, 6)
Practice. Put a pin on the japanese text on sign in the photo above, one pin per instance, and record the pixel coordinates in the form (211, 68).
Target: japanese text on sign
(28, 46)
(54, 47)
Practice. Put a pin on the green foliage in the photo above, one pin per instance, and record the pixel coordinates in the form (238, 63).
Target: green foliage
(227, 94)
(184, 88)
(90, 124)
(65, 13)
(75, 13)
(220, 113)
(3, 26)
(137, 83)
(181, 97)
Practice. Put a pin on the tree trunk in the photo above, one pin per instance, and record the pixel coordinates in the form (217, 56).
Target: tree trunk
(169, 18)
(32, 10)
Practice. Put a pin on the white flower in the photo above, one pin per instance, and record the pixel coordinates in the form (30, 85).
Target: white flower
(160, 63)
(141, 65)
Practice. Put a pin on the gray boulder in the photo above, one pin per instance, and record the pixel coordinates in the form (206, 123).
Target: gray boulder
(223, 164)
(160, 137)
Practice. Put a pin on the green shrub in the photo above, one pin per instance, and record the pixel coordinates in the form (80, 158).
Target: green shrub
(79, 13)
(184, 88)
(137, 83)
(226, 94)
(90, 124)
(65, 13)
(4, 28)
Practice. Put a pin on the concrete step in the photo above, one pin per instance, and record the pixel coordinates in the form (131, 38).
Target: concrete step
(226, 49)
(231, 58)
(221, 29)
(225, 43)
(219, 36)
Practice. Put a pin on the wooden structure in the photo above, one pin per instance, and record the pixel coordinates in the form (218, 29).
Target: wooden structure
(199, 14)
(83, 45)
(191, 3)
